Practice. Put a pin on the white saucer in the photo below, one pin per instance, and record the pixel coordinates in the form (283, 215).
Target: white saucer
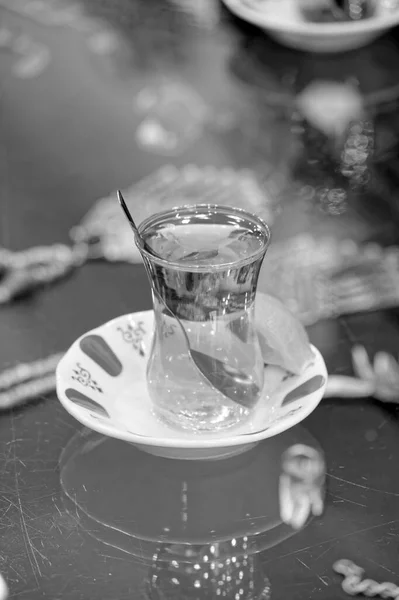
(282, 20)
(101, 381)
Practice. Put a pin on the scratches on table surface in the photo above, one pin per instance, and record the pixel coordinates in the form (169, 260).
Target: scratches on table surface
(364, 487)
(323, 581)
(45, 553)
(311, 565)
(340, 499)
(30, 534)
(31, 550)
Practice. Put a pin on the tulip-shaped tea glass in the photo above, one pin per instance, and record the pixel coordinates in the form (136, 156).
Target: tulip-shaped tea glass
(204, 261)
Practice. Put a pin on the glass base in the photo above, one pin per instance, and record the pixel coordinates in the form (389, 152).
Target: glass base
(205, 420)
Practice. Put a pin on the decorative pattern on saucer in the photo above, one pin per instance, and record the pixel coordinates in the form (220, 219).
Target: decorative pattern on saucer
(115, 401)
(83, 376)
(87, 403)
(134, 336)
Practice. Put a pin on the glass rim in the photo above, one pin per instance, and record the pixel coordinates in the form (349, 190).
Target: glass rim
(216, 208)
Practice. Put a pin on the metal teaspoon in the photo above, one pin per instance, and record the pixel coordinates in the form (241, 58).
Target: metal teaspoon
(229, 381)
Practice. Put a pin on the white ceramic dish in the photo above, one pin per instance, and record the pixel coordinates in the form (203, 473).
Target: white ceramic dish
(282, 20)
(101, 381)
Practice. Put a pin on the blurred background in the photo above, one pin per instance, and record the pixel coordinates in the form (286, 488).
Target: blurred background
(287, 108)
(196, 101)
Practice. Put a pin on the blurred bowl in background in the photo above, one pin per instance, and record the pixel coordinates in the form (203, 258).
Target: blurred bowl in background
(283, 20)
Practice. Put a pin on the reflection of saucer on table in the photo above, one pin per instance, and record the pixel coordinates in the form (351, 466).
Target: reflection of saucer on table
(204, 524)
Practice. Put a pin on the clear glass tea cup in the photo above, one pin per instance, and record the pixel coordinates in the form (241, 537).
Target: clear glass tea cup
(204, 261)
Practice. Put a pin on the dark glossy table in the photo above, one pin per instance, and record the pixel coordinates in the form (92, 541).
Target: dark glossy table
(69, 136)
